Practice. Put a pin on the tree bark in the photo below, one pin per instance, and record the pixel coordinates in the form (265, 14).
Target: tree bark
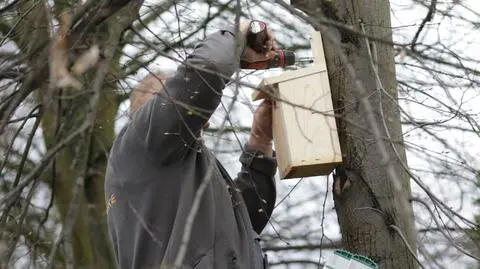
(90, 239)
(369, 207)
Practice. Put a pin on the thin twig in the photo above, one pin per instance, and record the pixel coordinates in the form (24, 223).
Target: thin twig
(20, 168)
(199, 193)
(374, 64)
(19, 119)
(44, 162)
(22, 17)
(9, 6)
(323, 221)
(19, 226)
(428, 17)
(443, 232)
(289, 192)
(67, 226)
(25, 120)
(332, 245)
(445, 208)
(407, 244)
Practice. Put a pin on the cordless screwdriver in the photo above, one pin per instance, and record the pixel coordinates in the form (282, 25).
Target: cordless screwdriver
(256, 36)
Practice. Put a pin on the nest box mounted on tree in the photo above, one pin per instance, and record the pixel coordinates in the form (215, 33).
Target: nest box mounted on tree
(304, 129)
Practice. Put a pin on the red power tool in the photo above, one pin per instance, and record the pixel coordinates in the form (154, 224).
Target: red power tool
(257, 34)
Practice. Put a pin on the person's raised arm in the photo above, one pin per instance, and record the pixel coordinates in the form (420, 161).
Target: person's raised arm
(256, 180)
(173, 118)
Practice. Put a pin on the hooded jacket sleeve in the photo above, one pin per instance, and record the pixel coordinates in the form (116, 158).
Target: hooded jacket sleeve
(257, 183)
(172, 120)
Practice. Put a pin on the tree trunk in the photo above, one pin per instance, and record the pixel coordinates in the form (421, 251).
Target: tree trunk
(375, 218)
(90, 239)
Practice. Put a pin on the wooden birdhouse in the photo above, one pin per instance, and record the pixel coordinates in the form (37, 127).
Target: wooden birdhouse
(304, 127)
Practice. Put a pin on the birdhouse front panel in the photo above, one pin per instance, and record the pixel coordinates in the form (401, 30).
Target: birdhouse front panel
(305, 130)
(304, 127)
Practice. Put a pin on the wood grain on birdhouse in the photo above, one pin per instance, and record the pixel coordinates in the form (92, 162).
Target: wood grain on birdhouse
(304, 128)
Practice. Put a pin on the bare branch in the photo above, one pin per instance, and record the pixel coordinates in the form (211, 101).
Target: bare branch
(432, 214)
(9, 6)
(332, 245)
(93, 14)
(44, 162)
(414, 255)
(428, 17)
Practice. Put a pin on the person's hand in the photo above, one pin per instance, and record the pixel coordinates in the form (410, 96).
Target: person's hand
(262, 133)
(249, 55)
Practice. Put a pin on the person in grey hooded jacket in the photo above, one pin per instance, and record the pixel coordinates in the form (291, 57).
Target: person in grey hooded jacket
(158, 165)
